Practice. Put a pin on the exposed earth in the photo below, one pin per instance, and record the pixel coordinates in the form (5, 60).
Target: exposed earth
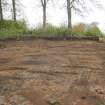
(42, 72)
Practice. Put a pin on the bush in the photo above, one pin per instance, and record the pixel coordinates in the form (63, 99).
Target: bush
(82, 29)
(11, 29)
(79, 29)
(93, 31)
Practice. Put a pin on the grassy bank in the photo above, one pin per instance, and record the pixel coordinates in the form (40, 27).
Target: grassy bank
(11, 29)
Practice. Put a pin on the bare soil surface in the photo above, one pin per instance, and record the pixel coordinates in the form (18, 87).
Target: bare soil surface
(42, 72)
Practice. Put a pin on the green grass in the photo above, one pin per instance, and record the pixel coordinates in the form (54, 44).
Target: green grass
(51, 31)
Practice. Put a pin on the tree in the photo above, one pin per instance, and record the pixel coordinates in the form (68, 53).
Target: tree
(14, 9)
(44, 6)
(78, 6)
(17, 10)
(1, 11)
(72, 5)
(69, 14)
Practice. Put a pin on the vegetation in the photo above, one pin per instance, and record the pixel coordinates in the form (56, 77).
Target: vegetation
(79, 29)
(86, 30)
(11, 29)
(51, 31)
(18, 29)
(93, 31)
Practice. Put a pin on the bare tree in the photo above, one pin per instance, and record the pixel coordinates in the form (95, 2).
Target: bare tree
(1, 11)
(14, 9)
(17, 10)
(71, 5)
(69, 14)
(44, 6)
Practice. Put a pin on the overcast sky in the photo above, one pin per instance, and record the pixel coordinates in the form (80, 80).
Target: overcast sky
(57, 14)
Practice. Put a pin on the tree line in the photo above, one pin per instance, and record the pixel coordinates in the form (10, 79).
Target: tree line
(3, 4)
(70, 6)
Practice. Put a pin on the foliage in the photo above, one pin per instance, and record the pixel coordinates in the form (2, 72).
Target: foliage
(93, 31)
(11, 29)
(82, 29)
(79, 29)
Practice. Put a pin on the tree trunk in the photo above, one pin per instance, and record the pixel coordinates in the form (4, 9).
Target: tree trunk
(1, 11)
(69, 13)
(14, 10)
(44, 14)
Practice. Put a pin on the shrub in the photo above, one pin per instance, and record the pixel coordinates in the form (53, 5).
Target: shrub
(79, 29)
(93, 31)
(11, 29)
(82, 29)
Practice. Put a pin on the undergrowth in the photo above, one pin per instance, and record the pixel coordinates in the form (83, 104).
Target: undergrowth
(11, 29)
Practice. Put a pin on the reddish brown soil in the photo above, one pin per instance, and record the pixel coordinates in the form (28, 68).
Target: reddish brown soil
(40, 72)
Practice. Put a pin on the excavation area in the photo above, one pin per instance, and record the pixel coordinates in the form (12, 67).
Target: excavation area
(43, 72)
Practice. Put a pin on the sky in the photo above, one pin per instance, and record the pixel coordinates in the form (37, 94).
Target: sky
(57, 14)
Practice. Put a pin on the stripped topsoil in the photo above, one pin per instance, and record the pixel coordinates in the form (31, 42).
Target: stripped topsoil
(42, 72)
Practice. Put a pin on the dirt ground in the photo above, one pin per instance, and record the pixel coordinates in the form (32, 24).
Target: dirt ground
(42, 72)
